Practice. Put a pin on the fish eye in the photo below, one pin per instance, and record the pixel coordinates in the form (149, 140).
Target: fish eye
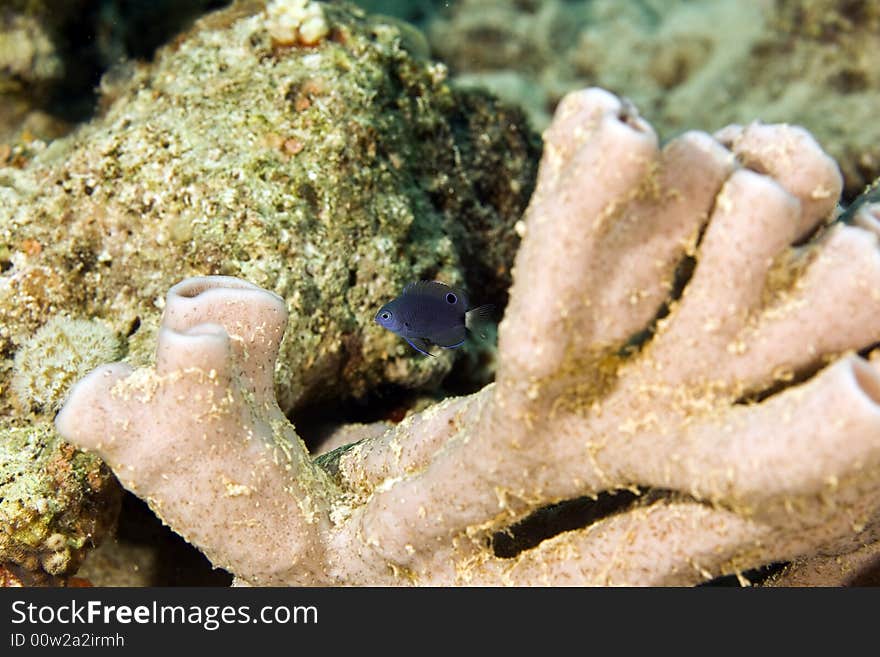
(385, 315)
(451, 298)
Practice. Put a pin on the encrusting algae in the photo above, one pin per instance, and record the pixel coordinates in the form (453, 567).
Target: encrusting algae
(56, 504)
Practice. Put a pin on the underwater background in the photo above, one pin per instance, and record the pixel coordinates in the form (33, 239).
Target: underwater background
(411, 156)
(807, 62)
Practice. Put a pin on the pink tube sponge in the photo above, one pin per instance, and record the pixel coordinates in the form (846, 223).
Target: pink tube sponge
(207, 414)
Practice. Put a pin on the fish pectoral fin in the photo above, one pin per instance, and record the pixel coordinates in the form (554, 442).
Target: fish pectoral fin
(420, 344)
(450, 338)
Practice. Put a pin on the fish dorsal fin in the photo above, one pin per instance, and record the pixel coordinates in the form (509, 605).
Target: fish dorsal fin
(436, 289)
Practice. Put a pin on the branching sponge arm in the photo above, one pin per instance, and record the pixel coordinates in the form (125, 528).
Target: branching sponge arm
(683, 321)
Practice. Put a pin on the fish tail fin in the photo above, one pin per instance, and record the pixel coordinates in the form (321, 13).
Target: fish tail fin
(480, 320)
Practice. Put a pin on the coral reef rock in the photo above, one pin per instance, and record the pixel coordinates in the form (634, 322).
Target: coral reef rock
(56, 503)
(31, 63)
(332, 168)
(332, 174)
(684, 330)
(808, 62)
(52, 55)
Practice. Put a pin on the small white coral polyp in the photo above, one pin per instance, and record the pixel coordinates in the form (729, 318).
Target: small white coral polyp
(296, 22)
(60, 353)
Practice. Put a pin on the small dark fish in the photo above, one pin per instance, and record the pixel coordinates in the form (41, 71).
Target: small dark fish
(869, 196)
(430, 311)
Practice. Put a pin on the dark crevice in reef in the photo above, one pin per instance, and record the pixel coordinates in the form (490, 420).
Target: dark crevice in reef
(159, 556)
(557, 518)
(387, 403)
(799, 377)
(105, 33)
(470, 373)
(869, 576)
(683, 274)
(755, 576)
(684, 271)
(582, 512)
(391, 403)
(870, 195)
